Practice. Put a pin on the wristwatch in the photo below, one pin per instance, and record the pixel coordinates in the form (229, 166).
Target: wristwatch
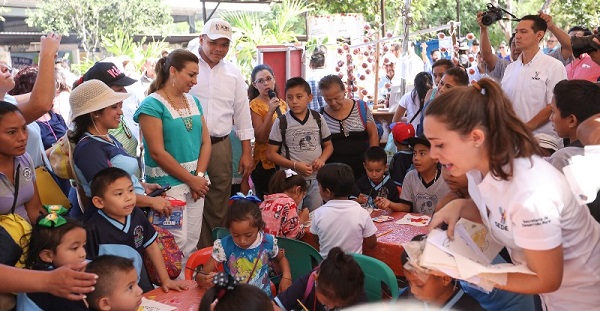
(201, 174)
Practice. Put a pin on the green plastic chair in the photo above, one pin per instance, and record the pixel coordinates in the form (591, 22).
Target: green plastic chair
(377, 273)
(219, 233)
(303, 258)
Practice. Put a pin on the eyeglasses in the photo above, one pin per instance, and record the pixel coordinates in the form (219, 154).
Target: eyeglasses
(6, 68)
(262, 81)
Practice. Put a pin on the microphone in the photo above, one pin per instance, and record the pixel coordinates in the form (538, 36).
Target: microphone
(271, 96)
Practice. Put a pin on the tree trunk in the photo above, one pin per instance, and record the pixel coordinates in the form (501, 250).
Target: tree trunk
(506, 26)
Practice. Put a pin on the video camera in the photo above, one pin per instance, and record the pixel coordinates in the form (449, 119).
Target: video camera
(582, 45)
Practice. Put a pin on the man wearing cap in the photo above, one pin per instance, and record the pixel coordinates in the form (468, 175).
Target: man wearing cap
(128, 131)
(223, 95)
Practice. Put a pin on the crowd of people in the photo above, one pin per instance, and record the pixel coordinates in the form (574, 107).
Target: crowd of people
(488, 147)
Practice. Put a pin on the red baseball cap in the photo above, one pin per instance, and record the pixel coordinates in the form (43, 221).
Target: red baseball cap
(403, 131)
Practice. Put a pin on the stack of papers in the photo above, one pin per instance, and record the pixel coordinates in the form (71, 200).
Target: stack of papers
(468, 257)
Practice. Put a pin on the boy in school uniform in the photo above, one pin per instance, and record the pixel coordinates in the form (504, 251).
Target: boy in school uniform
(300, 139)
(376, 189)
(401, 162)
(119, 228)
(424, 186)
(117, 286)
(340, 221)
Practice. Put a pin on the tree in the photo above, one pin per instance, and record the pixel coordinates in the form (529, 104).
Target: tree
(279, 26)
(92, 19)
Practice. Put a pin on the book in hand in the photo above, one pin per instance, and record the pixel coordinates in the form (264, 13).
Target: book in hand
(173, 221)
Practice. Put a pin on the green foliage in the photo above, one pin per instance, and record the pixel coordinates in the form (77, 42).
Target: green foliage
(280, 26)
(121, 44)
(94, 19)
(431, 13)
(568, 13)
(83, 66)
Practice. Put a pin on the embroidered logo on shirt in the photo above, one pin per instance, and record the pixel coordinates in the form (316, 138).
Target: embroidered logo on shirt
(138, 236)
(502, 224)
(27, 173)
(536, 77)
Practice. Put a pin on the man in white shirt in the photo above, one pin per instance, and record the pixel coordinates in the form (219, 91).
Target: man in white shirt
(223, 95)
(529, 80)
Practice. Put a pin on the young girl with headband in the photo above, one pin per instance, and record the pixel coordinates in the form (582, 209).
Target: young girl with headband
(55, 241)
(525, 203)
(280, 208)
(247, 251)
(228, 294)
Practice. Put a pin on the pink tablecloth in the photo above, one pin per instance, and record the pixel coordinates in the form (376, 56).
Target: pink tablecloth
(187, 300)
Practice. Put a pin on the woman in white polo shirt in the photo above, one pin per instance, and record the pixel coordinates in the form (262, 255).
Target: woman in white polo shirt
(525, 203)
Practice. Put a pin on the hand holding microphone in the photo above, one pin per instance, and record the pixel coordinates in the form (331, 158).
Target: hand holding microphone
(274, 102)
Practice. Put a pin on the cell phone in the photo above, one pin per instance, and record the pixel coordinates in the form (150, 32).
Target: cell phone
(160, 191)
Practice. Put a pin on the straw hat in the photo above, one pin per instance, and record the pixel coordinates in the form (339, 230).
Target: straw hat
(91, 96)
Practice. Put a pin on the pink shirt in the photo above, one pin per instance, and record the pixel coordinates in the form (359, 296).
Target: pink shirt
(280, 215)
(583, 68)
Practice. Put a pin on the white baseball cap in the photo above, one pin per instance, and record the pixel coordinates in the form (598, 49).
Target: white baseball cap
(217, 28)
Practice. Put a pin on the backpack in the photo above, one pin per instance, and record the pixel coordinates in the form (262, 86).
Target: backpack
(283, 129)
(171, 255)
(61, 158)
(14, 233)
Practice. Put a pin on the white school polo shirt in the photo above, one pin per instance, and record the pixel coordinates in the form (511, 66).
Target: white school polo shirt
(536, 210)
(529, 86)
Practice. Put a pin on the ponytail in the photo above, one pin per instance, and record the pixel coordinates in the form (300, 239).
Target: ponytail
(340, 277)
(280, 182)
(162, 75)
(484, 105)
(177, 59)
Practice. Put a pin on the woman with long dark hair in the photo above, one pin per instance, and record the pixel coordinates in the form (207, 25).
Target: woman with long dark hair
(177, 142)
(412, 103)
(525, 203)
(265, 107)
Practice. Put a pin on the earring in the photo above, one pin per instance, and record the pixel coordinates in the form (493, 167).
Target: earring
(173, 82)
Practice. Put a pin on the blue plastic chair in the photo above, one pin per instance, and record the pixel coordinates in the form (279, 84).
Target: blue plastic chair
(377, 273)
(303, 258)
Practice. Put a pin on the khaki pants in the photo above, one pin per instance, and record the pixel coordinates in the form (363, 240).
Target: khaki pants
(220, 172)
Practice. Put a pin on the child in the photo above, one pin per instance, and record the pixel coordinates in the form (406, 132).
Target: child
(422, 187)
(117, 287)
(247, 251)
(402, 161)
(300, 139)
(337, 283)
(341, 222)
(376, 189)
(119, 228)
(433, 290)
(55, 241)
(574, 101)
(280, 209)
(458, 186)
(229, 295)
